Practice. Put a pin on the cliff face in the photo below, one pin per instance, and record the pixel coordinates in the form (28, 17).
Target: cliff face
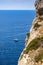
(33, 51)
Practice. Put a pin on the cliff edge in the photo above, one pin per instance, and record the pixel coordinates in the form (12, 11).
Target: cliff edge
(33, 51)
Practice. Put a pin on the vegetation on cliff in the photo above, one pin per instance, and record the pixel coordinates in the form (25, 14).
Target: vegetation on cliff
(36, 26)
(34, 44)
(39, 57)
(28, 35)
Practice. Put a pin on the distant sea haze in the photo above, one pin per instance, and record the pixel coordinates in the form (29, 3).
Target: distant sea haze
(14, 24)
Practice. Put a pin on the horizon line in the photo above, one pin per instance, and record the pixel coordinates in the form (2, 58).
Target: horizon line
(17, 9)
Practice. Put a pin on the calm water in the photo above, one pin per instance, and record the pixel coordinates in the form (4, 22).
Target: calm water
(13, 24)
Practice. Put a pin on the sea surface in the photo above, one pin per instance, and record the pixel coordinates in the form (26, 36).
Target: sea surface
(14, 24)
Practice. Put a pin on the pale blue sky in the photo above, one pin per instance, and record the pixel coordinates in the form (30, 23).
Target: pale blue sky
(16, 4)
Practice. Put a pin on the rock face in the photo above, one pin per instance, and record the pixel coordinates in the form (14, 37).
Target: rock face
(33, 51)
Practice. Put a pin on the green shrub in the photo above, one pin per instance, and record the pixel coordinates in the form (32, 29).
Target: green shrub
(41, 39)
(34, 44)
(28, 34)
(39, 57)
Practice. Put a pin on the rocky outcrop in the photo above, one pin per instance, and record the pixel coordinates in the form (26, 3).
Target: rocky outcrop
(33, 51)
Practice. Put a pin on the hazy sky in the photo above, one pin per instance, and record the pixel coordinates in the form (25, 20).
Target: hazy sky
(16, 4)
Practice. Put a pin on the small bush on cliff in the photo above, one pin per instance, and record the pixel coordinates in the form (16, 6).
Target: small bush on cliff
(39, 57)
(34, 44)
(28, 34)
(41, 39)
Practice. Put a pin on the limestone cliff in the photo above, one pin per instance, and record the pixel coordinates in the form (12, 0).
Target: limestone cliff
(33, 51)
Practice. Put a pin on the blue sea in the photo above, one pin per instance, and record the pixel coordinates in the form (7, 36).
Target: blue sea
(14, 24)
